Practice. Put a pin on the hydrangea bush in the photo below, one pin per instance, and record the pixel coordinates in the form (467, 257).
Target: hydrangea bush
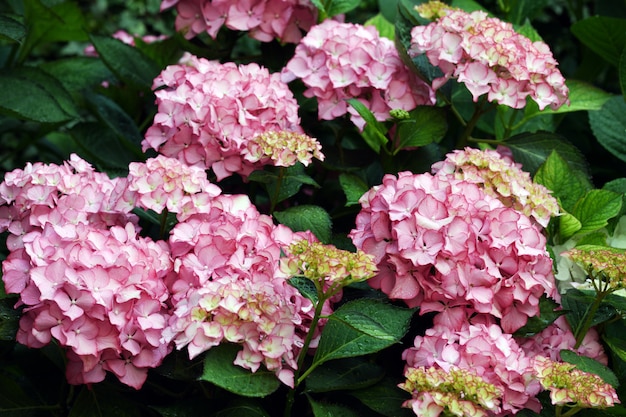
(312, 208)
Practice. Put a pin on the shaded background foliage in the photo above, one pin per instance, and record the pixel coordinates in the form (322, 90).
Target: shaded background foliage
(41, 56)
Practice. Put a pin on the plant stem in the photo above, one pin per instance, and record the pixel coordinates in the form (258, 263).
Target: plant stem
(274, 197)
(581, 331)
(305, 347)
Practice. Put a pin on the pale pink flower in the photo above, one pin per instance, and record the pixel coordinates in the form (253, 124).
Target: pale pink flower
(338, 61)
(502, 178)
(167, 183)
(489, 57)
(487, 353)
(440, 242)
(227, 286)
(264, 20)
(209, 112)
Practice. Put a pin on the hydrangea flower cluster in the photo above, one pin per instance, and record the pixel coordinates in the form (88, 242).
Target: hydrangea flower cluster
(87, 280)
(481, 348)
(604, 264)
(489, 57)
(502, 178)
(573, 387)
(440, 242)
(208, 113)
(227, 286)
(559, 336)
(265, 20)
(456, 392)
(329, 268)
(166, 183)
(282, 149)
(338, 61)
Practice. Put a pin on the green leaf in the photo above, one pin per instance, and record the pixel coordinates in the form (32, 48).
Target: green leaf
(101, 146)
(112, 116)
(374, 131)
(385, 398)
(568, 225)
(582, 96)
(613, 336)
(307, 217)
(532, 149)
(42, 98)
(621, 71)
(596, 208)
(306, 287)
(577, 304)
(528, 30)
(323, 409)
(604, 35)
(426, 125)
(101, 401)
(282, 182)
(589, 365)
(609, 124)
(524, 10)
(353, 187)
(343, 374)
(78, 73)
(11, 29)
(60, 22)
(565, 183)
(220, 370)
(9, 319)
(548, 313)
(361, 327)
(467, 5)
(242, 408)
(335, 7)
(126, 62)
(385, 28)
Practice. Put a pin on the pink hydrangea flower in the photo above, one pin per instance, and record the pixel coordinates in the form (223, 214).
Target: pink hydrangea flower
(85, 277)
(502, 178)
(265, 20)
(337, 61)
(489, 57)
(227, 286)
(167, 183)
(558, 336)
(440, 242)
(481, 348)
(209, 112)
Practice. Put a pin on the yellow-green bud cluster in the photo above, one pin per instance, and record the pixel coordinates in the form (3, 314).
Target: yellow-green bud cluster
(434, 10)
(573, 387)
(458, 391)
(604, 263)
(284, 148)
(328, 265)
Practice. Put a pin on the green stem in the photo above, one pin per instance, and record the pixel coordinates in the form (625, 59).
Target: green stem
(464, 137)
(581, 331)
(298, 378)
(568, 413)
(274, 197)
(163, 224)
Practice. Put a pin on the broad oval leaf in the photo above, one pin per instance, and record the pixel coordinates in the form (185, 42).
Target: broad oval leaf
(604, 35)
(361, 327)
(426, 125)
(342, 374)
(220, 370)
(127, 63)
(586, 364)
(532, 149)
(307, 217)
(323, 409)
(42, 97)
(11, 29)
(565, 183)
(609, 124)
(353, 187)
(596, 208)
